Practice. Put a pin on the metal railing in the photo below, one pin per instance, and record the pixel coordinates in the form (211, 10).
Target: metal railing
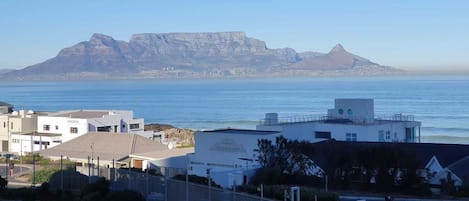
(329, 119)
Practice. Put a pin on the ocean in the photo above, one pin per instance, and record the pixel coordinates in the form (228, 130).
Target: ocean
(441, 103)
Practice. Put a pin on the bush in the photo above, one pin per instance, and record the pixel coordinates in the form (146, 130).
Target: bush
(43, 175)
(277, 192)
(101, 186)
(125, 195)
(197, 180)
(3, 183)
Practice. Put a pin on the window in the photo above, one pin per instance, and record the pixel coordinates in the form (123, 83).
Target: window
(46, 127)
(15, 141)
(57, 141)
(341, 111)
(4, 124)
(388, 135)
(56, 127)
(73, 130)
(42, 142)
(349, 112)
(11, 125)
(321, 134)
(381, 135)
(352, 137)
(134, 126)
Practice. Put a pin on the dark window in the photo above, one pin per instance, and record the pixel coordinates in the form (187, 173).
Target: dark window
(134, 126)
(46, 127)
(320, 134)
(73, 130)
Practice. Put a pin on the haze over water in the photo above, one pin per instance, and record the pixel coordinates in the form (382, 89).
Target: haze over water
(439, 102)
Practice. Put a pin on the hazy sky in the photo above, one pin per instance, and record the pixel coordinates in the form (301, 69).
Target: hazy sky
(405, 34)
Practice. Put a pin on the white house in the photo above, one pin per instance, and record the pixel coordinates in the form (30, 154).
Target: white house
(349, 120)
(15, 123)
(228, 155)
(58, 127)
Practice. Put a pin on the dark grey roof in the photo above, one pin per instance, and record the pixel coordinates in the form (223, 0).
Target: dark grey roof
(5, 104)
(445, 153)
(461, 168)
(241, 131)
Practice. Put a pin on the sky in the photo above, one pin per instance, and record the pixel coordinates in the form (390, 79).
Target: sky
(412, 35)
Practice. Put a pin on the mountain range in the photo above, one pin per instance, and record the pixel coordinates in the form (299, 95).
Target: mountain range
(192, 55)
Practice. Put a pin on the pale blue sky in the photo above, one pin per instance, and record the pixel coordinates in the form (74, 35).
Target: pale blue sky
(405, 34)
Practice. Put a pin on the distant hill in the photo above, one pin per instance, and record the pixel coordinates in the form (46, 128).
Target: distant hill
(2, 71)
(192, 55)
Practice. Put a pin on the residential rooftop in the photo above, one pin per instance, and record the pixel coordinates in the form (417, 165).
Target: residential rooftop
(82, 114)
(241, 131)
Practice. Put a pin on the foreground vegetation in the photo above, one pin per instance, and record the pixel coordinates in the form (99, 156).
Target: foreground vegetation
(97, 191)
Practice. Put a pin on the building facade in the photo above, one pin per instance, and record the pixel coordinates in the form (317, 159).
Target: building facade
(15, 123)
(349, 120)
(228, 156)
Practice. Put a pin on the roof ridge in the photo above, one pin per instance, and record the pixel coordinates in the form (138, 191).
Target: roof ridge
(132, 146)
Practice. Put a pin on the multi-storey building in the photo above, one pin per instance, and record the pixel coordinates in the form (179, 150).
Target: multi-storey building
(229, 156)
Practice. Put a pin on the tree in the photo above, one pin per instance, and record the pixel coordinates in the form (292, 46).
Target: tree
(285, 157)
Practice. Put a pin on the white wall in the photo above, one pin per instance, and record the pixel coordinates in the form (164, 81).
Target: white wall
(354, 109)
(63, 126)
(22, 143)
(221, 153)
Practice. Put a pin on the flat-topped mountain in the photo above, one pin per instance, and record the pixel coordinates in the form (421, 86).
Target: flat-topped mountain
(190, 55)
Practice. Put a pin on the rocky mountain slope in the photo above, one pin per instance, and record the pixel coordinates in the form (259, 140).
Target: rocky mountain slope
(189, 55)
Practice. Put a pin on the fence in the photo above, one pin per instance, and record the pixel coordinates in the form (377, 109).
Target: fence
(161, 188)
(153, 187)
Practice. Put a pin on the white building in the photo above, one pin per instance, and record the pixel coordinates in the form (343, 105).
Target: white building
(59, 127)
(229, 156)
(15, 123)
(349, 120)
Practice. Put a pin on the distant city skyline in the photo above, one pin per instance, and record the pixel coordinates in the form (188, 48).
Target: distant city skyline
(412, 35)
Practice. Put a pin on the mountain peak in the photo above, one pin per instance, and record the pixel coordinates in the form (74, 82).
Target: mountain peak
(97, 37)
(337, 48)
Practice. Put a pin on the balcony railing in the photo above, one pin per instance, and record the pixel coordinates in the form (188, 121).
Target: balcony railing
(329, 119)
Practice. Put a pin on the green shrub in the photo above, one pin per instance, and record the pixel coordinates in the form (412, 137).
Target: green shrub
(43, 175)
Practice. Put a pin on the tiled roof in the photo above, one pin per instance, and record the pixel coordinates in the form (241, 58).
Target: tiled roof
(106, 146)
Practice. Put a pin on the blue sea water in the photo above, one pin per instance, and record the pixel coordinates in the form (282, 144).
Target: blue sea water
(441, 103)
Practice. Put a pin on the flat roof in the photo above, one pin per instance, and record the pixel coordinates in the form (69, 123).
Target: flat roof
(83, 114)
(42, 134)
(241, 131)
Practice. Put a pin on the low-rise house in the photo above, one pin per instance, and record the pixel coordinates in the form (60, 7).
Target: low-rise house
(436, 163)
(108, 147)
(227, 155)
(16, 123)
